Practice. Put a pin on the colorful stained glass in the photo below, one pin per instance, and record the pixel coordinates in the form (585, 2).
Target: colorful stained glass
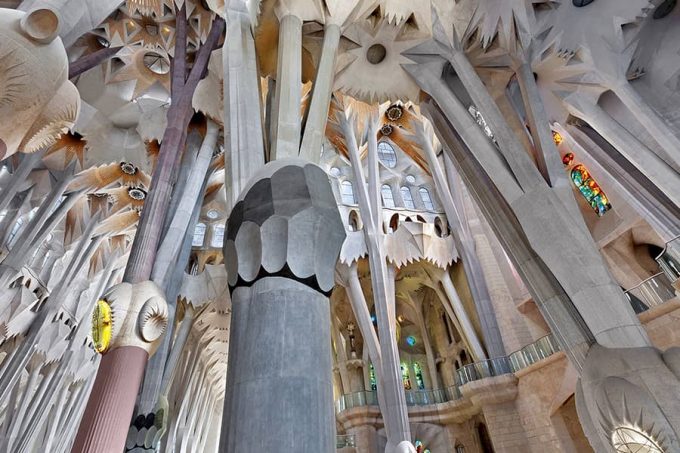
(411, 340)
(405, 376)
(418, 371)
(557, 138)
(568, 158)
(371, 377)
(590, 190)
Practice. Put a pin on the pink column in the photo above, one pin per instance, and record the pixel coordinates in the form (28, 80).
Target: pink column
(112, 401)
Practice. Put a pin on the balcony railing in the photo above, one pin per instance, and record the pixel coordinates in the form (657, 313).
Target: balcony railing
(344, 440)
(669, 259)
(653, 291)
(534, 352)
(528, 355)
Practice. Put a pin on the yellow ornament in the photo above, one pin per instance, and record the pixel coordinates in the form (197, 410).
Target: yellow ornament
(101, 326)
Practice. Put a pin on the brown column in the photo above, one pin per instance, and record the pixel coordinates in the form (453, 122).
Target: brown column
(118, 378)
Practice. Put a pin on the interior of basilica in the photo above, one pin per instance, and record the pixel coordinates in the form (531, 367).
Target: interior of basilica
(353, 226)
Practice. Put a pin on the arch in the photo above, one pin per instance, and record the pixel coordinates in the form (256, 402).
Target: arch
(347, 192)
(199, 235)
(439, 227)
(427, 199)
(354, 220)
(407, 198)
(420, 219)
(484, 438)
(394, 222)
(387, 196)
(387, 155)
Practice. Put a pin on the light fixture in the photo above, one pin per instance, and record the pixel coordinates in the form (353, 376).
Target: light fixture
(102, 323)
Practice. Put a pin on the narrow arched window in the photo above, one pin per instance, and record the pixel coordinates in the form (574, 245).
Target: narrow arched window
(590, 190)
(407, 198)
(347, 192)
(217, 236)
(427, 200)
(199, 235)
(15, 230)
(387, 155)
(387, 196)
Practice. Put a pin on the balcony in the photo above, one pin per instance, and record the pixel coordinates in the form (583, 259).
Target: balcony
(651, 292)
(528, 355)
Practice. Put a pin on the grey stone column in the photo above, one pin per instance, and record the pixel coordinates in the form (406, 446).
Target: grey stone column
(282, 242)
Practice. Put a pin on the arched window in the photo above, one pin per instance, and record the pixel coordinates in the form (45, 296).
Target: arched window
(371, 377)
(394, 223)
(590, 190)
(199, 235)
(354, 220)
(427, 200)
(347, 192)
(405, 376)
(407, 198)
(15, 230)
(387, 155)
(387, 196)
(418, 371)
(217, 236)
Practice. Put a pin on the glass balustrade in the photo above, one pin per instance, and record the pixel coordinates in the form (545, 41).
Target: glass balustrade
(669, 260)
(345, 440)
(653, 291)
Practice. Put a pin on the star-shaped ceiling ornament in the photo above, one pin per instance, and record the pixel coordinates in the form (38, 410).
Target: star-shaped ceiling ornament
(372, 72)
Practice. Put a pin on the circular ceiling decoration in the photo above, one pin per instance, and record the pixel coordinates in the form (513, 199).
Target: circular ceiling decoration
(394, 112)
(376, 54)
(128, 168)
(386, 129)
(156, 63)
(137, 194)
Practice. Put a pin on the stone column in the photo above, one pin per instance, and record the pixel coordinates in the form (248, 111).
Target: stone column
(663, 134)
(467, 329)
(286, 121)
(315, 127)
(466, 246)
(283, 239)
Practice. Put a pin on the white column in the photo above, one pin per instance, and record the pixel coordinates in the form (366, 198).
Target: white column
(465, 323)
(317, 115)
(286, 121)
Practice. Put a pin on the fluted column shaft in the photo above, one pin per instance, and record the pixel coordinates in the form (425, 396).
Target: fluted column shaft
(118, 378)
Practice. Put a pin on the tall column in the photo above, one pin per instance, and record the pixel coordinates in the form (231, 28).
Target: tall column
(315, 127)
(465, 323)
(282, 241)
(657, 126)
(244, 147)
(465, 244)
(286, 121)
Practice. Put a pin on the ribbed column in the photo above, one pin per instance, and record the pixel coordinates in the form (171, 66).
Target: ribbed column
(286, 120)
(112, 401)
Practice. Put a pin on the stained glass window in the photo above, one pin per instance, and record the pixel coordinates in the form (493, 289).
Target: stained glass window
(407, 198)
(199, 235)
(347, 192)
(418, 371)
(371, 377)
(427, 200)
(420, 447)
(387, 196)
(405, 376)
(590, 190)
(218, 236)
